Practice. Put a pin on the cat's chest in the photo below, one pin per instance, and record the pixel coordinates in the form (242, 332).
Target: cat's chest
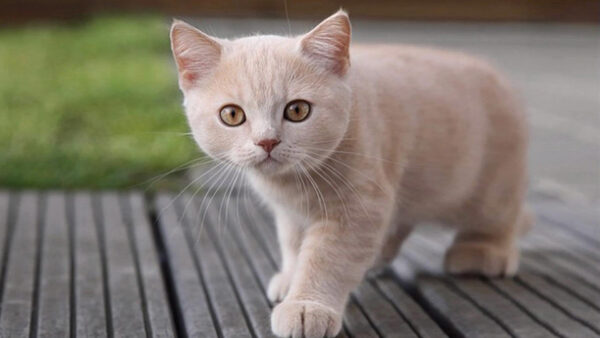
(286, 195)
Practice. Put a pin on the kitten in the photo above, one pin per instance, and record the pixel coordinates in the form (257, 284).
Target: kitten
(352, 147)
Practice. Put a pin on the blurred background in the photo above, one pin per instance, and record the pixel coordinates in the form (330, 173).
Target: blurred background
(89, 98)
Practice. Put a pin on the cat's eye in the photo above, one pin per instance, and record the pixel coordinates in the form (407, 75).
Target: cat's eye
(296, 111)
(232, 115)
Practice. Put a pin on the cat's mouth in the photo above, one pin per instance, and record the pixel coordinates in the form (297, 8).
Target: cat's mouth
(268, 160)
(269, 164)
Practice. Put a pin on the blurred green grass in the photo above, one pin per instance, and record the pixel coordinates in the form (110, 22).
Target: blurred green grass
(89, 105)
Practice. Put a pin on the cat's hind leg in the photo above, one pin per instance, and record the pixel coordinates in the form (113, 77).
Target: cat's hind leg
(391, 247)
(488, 250)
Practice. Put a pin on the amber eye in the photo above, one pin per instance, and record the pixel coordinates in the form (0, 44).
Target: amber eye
(297, 111)
(232, 115)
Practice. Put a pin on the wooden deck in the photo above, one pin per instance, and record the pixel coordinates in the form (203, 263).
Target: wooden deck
(127, 265)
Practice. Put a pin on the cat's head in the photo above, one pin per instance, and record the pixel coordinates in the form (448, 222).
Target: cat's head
(266, 103)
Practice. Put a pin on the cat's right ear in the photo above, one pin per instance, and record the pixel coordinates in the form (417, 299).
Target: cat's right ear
(195, 53)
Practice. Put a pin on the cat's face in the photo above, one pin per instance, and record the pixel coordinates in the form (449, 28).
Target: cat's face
(266, 103)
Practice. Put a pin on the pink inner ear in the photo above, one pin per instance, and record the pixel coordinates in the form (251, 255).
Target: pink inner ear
(189, 76)
(196, 53)
(329, 43)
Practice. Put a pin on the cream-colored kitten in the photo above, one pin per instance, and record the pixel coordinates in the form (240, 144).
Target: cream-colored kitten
(352, 147)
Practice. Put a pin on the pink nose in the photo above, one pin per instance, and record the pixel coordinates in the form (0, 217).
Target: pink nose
(268, 144)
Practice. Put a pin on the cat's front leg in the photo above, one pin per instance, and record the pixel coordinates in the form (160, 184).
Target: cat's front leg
(290, 237)
(332, 261)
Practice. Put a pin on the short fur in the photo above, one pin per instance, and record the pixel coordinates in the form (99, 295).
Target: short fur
(397, 135)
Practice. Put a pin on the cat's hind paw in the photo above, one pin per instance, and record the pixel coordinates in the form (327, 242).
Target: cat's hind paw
(279, 285)
(307, 319)
(481, 258)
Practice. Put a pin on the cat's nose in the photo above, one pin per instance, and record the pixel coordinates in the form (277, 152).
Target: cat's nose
(268, 144)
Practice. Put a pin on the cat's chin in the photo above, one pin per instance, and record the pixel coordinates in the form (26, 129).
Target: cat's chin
(271, 166)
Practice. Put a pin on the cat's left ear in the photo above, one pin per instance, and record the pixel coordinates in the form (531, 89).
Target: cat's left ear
(195, 53)
(329, 43)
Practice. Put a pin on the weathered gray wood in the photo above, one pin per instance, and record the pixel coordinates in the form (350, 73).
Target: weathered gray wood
(559, 259)
(5, 205)
(189, 287)
(414, 314)
(262, 225)
(459, 313)
(90, 308)
(246, 280)
(55, 274)
(573, 321)
(356, 323)
(576, 309)
(381, 313)
(552, 318)
(563, 278)
(4, 225)
(125, 298)
(513, 319)
(251, 241)
(159, 321)
(15, 318)
(227, 307)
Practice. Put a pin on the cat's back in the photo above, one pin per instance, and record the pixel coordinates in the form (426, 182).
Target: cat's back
(431, 81)
(416, 65)
(455, 109)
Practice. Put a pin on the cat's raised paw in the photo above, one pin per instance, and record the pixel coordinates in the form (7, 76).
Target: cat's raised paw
(307, 319)
(481, 258)
(279, 285)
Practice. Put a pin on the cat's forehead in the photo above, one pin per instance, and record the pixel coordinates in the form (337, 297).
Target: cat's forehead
(260, 51)
(261, 68)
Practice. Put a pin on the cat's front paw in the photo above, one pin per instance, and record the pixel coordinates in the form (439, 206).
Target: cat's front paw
(279, 285)
(482, 258)
(307, 319)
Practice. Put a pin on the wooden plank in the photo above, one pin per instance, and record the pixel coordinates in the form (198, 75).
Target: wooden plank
(514, 320)
(457, 312)
(252, 242)
(159, 321)
(90, 308)
(574, 307)
(125, 298)
(543, 312)
(5, 226)
(228, 309)
(15, 318)
(247, 281)
(428, 243)
(381, 313)
(559, 259)
(511, 317)
(55, 271)
(263, 226)
(189, 287)
(404, 304)
(563, 278)
(356, 323)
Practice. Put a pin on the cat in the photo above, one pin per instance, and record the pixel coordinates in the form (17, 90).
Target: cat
(352, 147)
